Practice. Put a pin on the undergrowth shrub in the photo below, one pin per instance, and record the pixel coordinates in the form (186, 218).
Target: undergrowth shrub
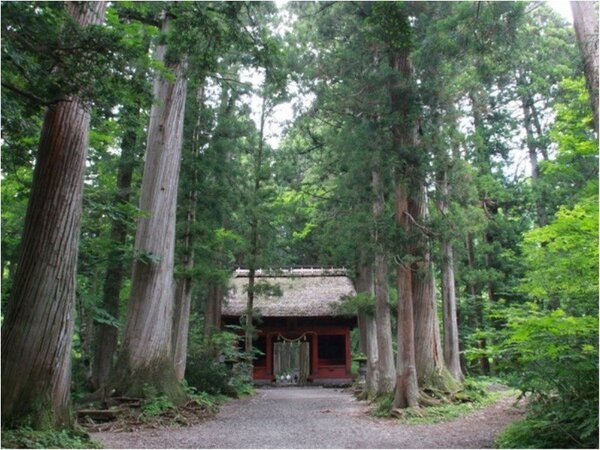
(383, 405)
(26, 437)
(215, 366)
(473, 395)
(553, 357)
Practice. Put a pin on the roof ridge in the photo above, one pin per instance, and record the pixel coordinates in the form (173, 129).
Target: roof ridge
(293, 272)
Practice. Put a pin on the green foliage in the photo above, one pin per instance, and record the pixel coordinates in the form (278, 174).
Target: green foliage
(155, 405)
(207, 375)
(475, 393)
(554, 357)
(28, 438)
(383, 405)
(213, 366)
(362, 302)
(562, 259)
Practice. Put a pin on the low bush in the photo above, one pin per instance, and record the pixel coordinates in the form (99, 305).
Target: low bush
(216, 366)
(555, 361)
(26, 437)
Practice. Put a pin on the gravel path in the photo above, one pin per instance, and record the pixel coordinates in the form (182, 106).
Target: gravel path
(316, 418)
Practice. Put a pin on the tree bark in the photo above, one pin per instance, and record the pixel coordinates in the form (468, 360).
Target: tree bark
(254, 224)
(585, 21)
(146, 355)
(406, 393)
(451, 343)
(382, 308)
(183, 290)
(212, 310)
(428, 350)
(38, 327)
(107, 334)
(368, 328)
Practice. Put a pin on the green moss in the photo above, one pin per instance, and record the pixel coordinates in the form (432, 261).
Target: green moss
(155, 380)
(26, 437)
(473, 395)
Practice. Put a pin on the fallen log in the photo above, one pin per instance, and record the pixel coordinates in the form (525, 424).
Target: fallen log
(98, 415)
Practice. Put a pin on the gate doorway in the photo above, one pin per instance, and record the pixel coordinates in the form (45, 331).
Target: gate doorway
(291, 362)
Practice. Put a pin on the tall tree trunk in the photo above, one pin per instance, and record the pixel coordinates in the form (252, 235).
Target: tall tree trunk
(451, 343)
(212, 309)
(429, 359)
(183, 291)
(480, 108)
(107, 334)
(363, 284)
(404, 135)
(585, 21)
(372, 377)
(368, 328)
(407, 389)
(382, 308)
(254, 225)
(146, 355)
(528, 118)
(473, 291)
(38, 327)
(216, 286)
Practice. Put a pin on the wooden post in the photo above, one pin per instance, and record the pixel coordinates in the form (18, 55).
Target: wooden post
(348, 354)
(269, 354)
(315, 355)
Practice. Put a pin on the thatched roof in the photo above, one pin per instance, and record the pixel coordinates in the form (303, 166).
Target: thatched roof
(305, 293)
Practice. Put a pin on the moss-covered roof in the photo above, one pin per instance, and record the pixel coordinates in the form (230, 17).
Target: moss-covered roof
(304, 293)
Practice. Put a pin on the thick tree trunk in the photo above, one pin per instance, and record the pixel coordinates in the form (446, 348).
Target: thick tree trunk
(146, 356)
(450, 316)
(429, 358)
(38, 327)
(181, 325)
(382, 308)
(407, 389)
(183, 291)
(212, 308)
(585, 21)
(107, 334)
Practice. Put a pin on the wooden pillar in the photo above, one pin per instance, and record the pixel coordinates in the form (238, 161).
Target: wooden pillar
(269, 354)
(315, 355)
(348, 353)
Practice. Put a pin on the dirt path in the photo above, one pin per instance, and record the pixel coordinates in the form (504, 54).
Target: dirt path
(316, 418)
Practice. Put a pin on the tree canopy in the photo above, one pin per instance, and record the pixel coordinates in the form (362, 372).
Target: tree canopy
(444, 153)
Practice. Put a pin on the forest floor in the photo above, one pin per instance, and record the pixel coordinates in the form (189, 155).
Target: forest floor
(310, 417)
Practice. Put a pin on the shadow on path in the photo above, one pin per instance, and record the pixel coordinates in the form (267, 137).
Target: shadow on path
(312, 417)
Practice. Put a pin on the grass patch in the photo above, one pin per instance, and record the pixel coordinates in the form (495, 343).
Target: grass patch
(26, 437)
(476, 394)
(444, 413)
